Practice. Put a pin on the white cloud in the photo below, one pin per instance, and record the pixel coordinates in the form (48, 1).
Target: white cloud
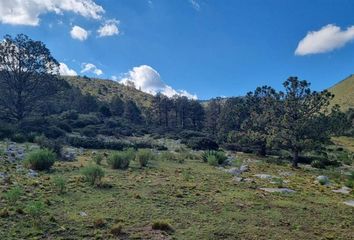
(27, 12)
(79, 33)
(64, 70)
(91, 68)
(328, 38)
(195, 4)
(110, 28)
(114, 78)
(148, 80)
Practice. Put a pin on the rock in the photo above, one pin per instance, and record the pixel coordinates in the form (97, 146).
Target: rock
(233, 171)
(349, 203)
(263, 176)
(344, 190)
(244, 168)
(285, 174)
(82, 214)
(238, 179)
(324, 180)
(32, 173)
(277, 190)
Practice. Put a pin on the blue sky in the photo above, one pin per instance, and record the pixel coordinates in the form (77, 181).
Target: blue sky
(206, 48)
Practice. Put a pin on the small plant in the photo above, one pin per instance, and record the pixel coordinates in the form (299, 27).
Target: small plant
(121, 160)
(116, 230)
(36, 209)
(350, 181)
(163, 226)
(322, 181)
(219, 156)
(279, 182)
(98, 158)
(13, 195)
(144, 156)
(93, 174)
(99, 223)
(212, 160)
(60, 184)
(41, 159)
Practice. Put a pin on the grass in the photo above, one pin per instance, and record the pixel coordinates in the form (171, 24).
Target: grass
(344, 93)
(196, 200)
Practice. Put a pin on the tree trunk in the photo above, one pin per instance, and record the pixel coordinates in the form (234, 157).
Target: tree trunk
(295, 158)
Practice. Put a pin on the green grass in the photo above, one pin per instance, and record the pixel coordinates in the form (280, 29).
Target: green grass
(344, 93)
(197, 200)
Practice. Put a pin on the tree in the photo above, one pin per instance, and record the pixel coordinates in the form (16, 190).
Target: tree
(302, 122)
(27, 75)
(132, 112)
(257, 127)
(117, 106)
(212, 114)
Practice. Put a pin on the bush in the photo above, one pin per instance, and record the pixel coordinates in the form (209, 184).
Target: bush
(42, 159)
(202, 143)
(116, 230)
(121, 160)
(19, 138)
(220, 157)
(350, 181)
(60, 184)
(98, 158)
(93, 174)
(53, 132)
(6, 130)
(144, 156)
(162, 226)
(53, 145)
(212, 160)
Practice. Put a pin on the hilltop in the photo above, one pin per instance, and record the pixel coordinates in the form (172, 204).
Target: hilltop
(105, 89)
(344, 93)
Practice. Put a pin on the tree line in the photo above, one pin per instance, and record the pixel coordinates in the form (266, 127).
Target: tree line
(35, 99)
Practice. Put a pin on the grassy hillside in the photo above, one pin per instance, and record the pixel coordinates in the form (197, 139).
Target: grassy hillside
(106, 89)
(344, 93)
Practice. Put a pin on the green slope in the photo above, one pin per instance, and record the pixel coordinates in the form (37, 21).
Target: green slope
(344, 93)
(104, 90)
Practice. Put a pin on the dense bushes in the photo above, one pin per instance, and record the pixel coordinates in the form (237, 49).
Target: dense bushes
(93, 174)
(95, 143)
(214, 158)
(121, 160)
(42, 159)
(202, 143)
(144, 156)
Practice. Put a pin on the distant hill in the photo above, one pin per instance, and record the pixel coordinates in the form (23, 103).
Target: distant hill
(104, 90)
(344, 93)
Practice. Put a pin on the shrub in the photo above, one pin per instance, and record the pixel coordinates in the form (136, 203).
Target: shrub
(202, 143)
(19, 138)
(6, 130)
(212, 160)
(144, 156)
(121, 160)
(99, 223)
(220, 157)
(163, 226)
(93, 174)
(60, 184)
(350, 181)
(13, 195)
(42, 159)
(98, 158)
(116, 230)
(53, 132)
(54, 145)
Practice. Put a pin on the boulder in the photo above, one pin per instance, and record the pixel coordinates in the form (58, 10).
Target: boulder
(277, 190)
(344, 190)
(349, 203)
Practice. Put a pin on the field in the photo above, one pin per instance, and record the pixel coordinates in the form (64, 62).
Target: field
(196, 200)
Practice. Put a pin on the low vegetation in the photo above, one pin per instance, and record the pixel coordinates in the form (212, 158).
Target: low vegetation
(42, 159)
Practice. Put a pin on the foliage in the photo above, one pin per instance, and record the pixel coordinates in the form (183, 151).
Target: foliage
(60, 184)
(214, 157)
(121, 160)
(144, 156)
(350, 180)
(36, 209)
(97, 158)
(41, 159)
(163, 226)
(93, 174)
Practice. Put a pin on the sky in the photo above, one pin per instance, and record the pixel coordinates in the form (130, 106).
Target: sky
(195, 48)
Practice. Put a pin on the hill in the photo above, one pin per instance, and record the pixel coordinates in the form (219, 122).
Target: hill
(104, 90)
(344, 93)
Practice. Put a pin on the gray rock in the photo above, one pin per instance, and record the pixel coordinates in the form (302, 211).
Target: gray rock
(238, 179)
(32, 173)
(233, 171)
(344, 190)
(285, 174)
(82, 214)
(277, 190)
(349, 203)
(263, 176)
(244, 168)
